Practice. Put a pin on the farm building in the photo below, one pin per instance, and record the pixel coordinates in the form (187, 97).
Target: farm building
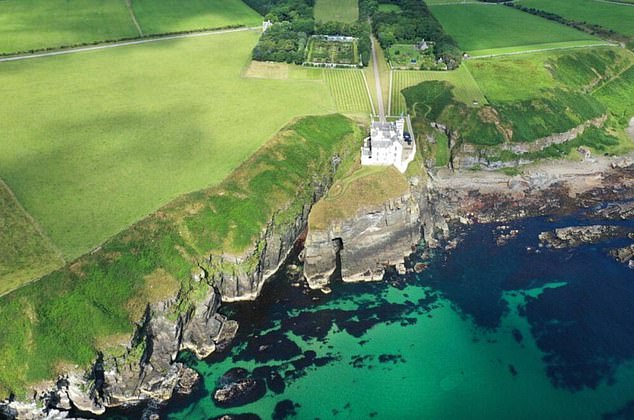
(388, 144)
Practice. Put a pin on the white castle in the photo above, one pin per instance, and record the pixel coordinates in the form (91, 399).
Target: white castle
(389, 144)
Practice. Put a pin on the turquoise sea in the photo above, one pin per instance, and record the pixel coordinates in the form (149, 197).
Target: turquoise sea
(485, 332)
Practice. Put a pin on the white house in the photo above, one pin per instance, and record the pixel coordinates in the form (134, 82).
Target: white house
(389, 144)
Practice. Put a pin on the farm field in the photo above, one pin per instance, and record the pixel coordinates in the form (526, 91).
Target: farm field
(465, 89)
(25, 253)
(479, 27)
(348, 87)
(346, 11)
(618, 17)
(34, 24)
(175, 16)
(90, 152)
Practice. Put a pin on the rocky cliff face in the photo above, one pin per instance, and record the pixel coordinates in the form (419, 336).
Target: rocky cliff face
(376, 237)
(146, 372)
(242, 277)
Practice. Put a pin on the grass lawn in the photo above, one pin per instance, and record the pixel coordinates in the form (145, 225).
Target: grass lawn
(34, 24)
(484, 27)
(337, 10)
(88, 152)
(174, 16)
(465, 88)
(389, 8)
(618, 17)
(25, 253)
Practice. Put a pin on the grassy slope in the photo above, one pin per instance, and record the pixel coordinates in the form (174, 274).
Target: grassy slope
(25, 253)
(337, 10)
(378, 183)
(174, 15)
(525, 76)
(66, 316)
(534, 96)
(465, 87)
(613, 16)
(89, 152)
(33, 24)
(484, 27)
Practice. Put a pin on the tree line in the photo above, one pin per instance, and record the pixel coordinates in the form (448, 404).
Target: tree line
(411, 24)
(293, 23)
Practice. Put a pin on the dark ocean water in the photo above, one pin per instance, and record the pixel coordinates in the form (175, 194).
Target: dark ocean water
(485, 332)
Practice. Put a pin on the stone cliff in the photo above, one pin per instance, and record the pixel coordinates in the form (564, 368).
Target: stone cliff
(365, 244)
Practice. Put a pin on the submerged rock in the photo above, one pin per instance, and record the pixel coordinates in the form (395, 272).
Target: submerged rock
(580, 235)
(240, 392)
(624, 255)
(285, 409)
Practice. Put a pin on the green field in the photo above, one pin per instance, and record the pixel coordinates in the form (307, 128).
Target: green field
(175, 16)
(389, 8)
(34, 24)
(337, 10)
(484, 27)
(618, 17)
(348, 87)
(25, 252)
(465, 88)
(88, 152)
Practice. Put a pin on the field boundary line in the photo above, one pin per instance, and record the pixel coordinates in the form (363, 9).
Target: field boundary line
(458, 3)
(612, 79)
(615, 2)
(32, 219)
(127, 43)
(389, 95)
(128, 4)
(367, 88)
(604, 44)
(38, 228)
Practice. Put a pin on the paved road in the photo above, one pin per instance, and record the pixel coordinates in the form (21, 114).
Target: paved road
(377, 81)
(126, 43)
(605, 44)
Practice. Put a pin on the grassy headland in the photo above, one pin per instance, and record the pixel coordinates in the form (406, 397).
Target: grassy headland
(66, 317)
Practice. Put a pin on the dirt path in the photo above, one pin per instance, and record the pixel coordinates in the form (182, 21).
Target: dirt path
(377, 81)
(128, 4)
(126, 43)
(604, 44)
(630, 129)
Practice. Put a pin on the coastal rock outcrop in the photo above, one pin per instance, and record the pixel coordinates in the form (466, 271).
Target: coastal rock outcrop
(146, 372)
(365, 244)
(579, 235)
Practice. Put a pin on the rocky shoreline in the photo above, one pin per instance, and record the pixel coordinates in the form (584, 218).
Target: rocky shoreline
(361, 248)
